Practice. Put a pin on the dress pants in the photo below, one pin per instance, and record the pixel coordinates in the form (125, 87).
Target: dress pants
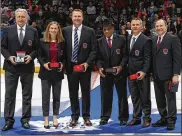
(11, 83)
(107, 85)
(56, 91)
(141, 98)
(161, 93)
(74, 79)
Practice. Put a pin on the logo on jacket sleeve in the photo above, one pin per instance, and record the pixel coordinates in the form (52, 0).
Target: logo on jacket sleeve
(118, 51)
(29, 42)
(137, 52)
(84, 45)
(165, 51)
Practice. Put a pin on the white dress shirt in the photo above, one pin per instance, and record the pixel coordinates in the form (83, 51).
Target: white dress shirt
(79, 34)
(160, 37)
(110, 38)
(23, 31)
(136, 37)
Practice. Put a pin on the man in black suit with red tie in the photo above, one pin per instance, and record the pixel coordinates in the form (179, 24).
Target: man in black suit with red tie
(139, 63)
(18, 39)
(81, 50)
(166, 68)
(112, 54)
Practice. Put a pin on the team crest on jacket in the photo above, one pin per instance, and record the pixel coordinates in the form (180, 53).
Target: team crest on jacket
(30, 42)
(165, 51)
(61, 52)
(84, 45)
(117, 51)
(137, 52)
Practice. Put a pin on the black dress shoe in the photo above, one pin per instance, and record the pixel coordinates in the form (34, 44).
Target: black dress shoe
(159, 123)
(134, 122)
(7, 126)
(87, 122)
(73, 123)
(25, 125)
(56, 126)
(170, 126)
(103, 122)
(123, 123)
(47, 127)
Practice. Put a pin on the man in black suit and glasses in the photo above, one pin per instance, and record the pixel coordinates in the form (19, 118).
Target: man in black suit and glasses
(140, 51)
(80, 49)
(166, 68)
(23, 39)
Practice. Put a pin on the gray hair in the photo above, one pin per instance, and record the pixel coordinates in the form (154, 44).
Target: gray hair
(21, 10)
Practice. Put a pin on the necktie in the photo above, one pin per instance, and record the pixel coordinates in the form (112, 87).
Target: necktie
(133, 42)
(159, 42)
(75, 51)
(21, 35)
(109, 42)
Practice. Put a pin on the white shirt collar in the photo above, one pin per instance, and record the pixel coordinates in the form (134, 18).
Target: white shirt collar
(162, 36)
(110, 37)
(24, 27)
(79, 28)
(136, 36)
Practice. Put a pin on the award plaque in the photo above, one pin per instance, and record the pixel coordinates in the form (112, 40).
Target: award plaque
(111, 70)
(54, 65)
(20, 57)
(134, 76)
(78, 68)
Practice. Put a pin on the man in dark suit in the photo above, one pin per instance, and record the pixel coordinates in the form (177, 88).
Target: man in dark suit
(166, 67)
(139, 47)
(18, 38)
(112, 53)
(80, 50)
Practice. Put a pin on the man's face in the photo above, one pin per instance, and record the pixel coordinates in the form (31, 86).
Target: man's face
(136, 26)
(108, 30)
(160, 27)
(21, 18)
(77, 18)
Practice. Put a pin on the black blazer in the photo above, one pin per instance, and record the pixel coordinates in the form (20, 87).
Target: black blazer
(116, 56)
(140, 57)
(44, 57)
(166, 59)
(10, 44)
(87, 47)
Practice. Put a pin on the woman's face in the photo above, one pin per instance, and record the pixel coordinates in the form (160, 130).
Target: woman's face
(53, 29)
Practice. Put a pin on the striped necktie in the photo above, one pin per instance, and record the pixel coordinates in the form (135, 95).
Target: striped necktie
(75, 51)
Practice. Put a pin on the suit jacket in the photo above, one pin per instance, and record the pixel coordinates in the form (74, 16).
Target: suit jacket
(10, 44)
(140, 57)
(44, 57)
(87, 47)
(116, 56)
(166, 59)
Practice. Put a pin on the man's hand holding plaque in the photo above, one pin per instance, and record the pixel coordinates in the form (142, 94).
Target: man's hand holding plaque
(12, 60)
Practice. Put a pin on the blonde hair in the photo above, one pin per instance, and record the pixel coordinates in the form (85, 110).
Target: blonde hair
(59, 36)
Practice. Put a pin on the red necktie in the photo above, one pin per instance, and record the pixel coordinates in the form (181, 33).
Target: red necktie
(159, 42)
(109, 42)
